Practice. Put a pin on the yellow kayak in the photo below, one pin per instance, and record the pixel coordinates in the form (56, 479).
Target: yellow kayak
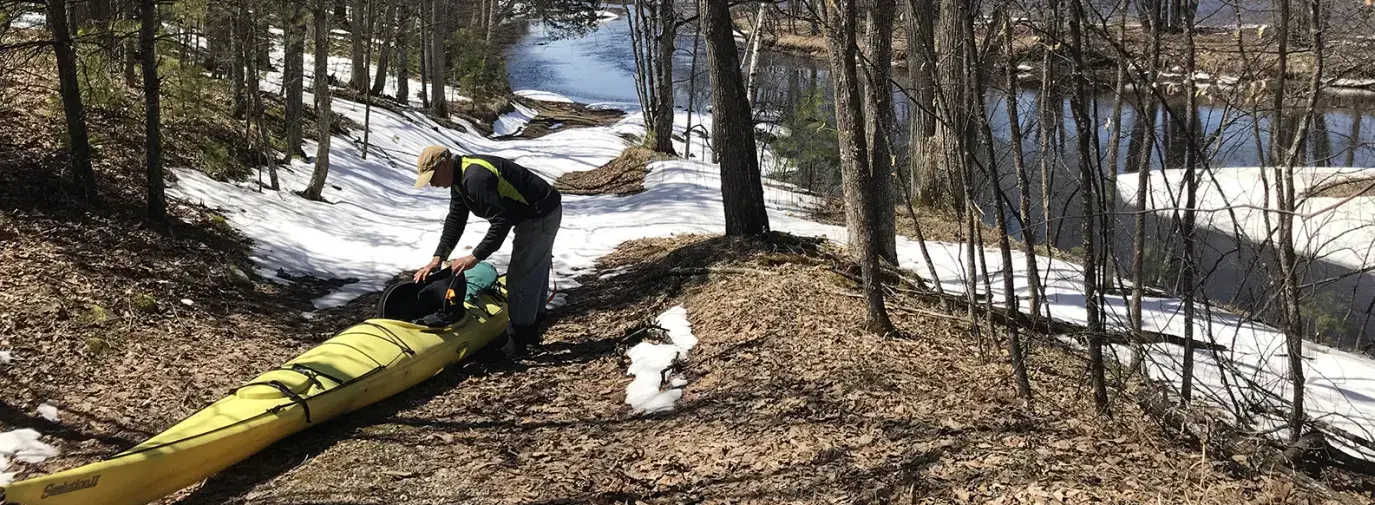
(366, 363)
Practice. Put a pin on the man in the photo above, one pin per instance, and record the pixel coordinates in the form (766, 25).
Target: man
(508, 196)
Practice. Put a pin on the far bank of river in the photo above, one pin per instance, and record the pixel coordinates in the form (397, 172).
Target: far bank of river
(598, 68)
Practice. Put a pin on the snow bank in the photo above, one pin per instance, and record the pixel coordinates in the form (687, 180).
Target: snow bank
(21, 445)
(543, 96)
(30, 20)
(1344, 234)
(648, 361)
(512, 123)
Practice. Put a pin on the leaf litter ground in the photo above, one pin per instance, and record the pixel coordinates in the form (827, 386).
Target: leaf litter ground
(787, 402)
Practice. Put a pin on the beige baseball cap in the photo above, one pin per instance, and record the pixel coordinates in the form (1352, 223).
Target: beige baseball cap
(430, 159)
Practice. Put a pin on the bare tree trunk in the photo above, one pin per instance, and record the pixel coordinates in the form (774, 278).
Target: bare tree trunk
(293, 77)
(322, 101)
(742, 190)
(756, 36)
(425, 63)
(359, 34)
(379, 82)
(942, 185)
(403, 54)
(367, 62)
(663, 109)
(1289, 262)
(879, 124)
(1112, 266)
(1023, 177)
(131, 59)
(439, 104)
(1014, 337)
(921, 70)
(238, 44)
(858, 182)
(157, 197)
(692, 93)
(1355, 137)
(1143, 181)
(1191, 194)
(1083, 124)
(78, 141)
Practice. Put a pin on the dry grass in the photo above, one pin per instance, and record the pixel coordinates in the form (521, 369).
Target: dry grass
(622, 176)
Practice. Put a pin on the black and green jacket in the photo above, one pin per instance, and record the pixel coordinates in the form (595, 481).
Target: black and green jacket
(498, 190)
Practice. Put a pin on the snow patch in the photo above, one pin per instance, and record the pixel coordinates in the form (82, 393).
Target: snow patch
(613, 274)
(21, 445)
(48, 411)
(29, 20)
(6, 357)
(543, 96)
(649, 361)
(512, 123)
(679, 330)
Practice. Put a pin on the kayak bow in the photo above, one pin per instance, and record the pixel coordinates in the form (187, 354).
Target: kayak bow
(363, 364)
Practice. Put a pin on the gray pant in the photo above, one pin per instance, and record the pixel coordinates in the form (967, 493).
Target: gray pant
(527, 278)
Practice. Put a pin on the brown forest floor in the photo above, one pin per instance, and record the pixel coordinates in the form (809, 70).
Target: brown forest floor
(788, 402)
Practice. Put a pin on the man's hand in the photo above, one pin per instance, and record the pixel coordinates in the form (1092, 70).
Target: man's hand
(463, 264)
(425, 271)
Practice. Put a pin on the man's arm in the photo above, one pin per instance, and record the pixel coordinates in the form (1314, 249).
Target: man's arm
(485, 195)
(453, 225)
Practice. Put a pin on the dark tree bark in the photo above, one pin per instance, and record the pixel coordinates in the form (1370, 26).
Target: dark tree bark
(403, 54)
(652, 32)
(322, 100)
(1079, 103)
(293, 76)
(359, 34)
(341, 13)
(78, 140)
(1187, 273)
(147, 39)
(663, 109)
(438, 59)
(423, 19)
(879, 124)
(858, 182)
(942, 185)
(1023, 176)
(130, 52)
(239, 49)
(1289, 261)
(1143, 181)
(732, 137)
(379, 82)
(1010, 299)
(921, 70)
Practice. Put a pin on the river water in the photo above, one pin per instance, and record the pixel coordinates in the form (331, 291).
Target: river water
(598, 68)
